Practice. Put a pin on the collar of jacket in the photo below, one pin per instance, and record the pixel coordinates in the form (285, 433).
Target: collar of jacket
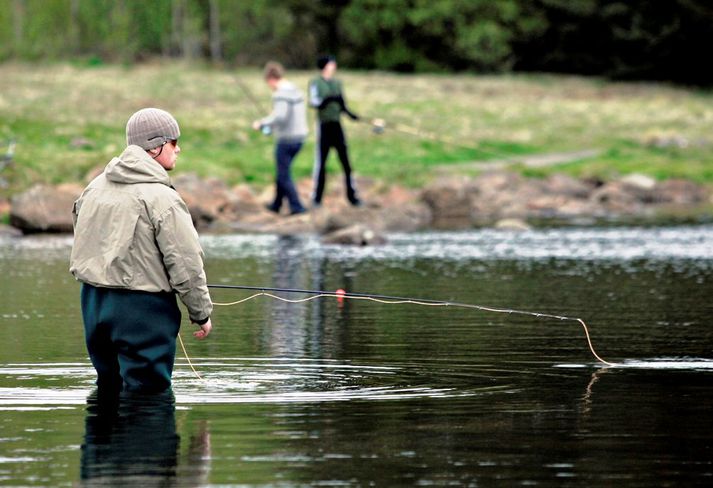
(134, 165)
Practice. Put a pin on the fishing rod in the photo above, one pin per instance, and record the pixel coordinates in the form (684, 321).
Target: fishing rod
(257, 106)
(379, 126)
(341, 294)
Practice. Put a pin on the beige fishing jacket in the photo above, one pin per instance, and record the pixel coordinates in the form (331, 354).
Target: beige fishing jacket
(132, 230)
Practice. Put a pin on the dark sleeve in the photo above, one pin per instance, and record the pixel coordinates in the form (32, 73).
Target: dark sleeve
(346, 110)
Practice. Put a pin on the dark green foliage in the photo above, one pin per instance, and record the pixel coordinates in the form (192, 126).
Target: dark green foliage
(623, 39)
(632, 39)
(421, 35)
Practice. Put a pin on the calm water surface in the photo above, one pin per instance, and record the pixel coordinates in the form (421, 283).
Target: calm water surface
(324, 393)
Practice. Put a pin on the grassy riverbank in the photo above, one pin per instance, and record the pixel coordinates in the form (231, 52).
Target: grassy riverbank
(69, 119)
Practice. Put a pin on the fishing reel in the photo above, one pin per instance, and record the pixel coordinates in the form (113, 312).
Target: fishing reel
(378, 126)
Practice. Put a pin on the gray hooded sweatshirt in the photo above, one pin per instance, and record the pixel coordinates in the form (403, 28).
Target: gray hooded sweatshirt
(132, 230)
(288, 119)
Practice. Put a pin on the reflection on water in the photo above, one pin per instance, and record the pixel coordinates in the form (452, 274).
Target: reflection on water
(357, 393)
(284, 332)
(131, 440)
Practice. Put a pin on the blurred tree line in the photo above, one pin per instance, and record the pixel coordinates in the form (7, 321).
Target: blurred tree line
(621, 39)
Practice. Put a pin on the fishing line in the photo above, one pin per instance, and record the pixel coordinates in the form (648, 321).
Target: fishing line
(185, 353)
(395, 300)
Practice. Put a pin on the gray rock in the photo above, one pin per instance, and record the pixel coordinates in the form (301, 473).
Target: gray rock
(354, 235)
(290, 225)
(568, 186)
(680, 192)
(499, 198)
(210, 199)
(512, 224)
(504, 195)
(408, 217)
(449, 200)
(9, 231)
(44, 208)
(640, 181)
(328, 220)
(618, 197)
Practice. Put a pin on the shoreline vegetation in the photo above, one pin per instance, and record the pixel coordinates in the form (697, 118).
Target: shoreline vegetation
(638, 143)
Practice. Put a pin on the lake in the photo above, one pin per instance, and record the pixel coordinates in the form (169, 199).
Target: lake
(331, 392)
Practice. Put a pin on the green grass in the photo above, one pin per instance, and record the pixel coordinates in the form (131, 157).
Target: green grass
(477, 118)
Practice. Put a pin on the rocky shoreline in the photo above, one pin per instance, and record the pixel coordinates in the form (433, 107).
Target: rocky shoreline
(499, 198)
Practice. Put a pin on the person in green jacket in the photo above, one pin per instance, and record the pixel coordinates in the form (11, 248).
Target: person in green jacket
(326, 95)
(134, 249)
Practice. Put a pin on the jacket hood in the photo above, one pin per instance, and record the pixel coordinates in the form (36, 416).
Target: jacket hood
(135, 166)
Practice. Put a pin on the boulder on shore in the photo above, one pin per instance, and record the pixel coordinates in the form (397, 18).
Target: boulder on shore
(210, 200)
(446, 203)
(44, 208)
(516, 225)
(9, 231)
(449, 200)
(679, 192)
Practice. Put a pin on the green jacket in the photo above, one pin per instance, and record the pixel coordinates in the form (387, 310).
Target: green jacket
(132, 230)
(322, 96)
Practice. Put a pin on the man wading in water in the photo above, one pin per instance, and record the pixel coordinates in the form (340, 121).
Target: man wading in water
(134, 248)
(327, 96)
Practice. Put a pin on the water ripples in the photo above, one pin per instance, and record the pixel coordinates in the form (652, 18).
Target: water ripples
(270, 380)
(663, 363)
(249, 380)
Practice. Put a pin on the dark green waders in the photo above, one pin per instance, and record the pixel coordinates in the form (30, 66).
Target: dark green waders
(131, 337)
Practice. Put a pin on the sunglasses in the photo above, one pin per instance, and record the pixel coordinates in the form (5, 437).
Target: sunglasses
(173, 142)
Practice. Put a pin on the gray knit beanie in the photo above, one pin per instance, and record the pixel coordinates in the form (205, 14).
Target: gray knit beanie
(151, 127)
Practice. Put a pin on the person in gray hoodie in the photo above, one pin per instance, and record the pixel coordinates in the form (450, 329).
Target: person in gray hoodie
(288, 121)
(134, 249)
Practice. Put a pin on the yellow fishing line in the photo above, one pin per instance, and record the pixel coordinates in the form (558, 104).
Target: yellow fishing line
(398, 302)
(185, 353)
(430, 304)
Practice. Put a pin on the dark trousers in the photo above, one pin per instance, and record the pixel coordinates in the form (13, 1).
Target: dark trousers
(285, 153)
(331, 135)
(131, 337)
